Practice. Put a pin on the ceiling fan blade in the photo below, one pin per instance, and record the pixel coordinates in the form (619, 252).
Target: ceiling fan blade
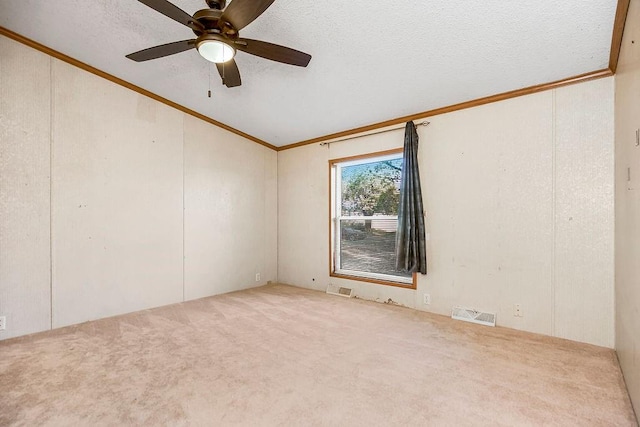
(173, 12)
(162, 50)
(273, 52)
(229, 73)
(241, 13)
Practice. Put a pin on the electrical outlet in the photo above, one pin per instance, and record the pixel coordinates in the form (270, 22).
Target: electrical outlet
(257, 277)
(427, 299)
(517, 310)
(3, 323)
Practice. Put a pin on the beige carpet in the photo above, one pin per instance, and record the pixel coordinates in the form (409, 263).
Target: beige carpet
(280, 355)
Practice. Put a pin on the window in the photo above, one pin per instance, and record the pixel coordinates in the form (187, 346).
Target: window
(365, 193)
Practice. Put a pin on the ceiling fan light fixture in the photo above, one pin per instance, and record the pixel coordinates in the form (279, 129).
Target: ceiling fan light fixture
(215, 51)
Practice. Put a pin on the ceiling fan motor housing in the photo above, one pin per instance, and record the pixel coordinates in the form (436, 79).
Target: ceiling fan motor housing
(210, 20)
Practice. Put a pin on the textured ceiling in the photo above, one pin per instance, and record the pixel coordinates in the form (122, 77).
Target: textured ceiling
(372, 60)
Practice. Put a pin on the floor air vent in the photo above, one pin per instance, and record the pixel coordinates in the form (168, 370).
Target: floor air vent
(339, 291)
(473, 316)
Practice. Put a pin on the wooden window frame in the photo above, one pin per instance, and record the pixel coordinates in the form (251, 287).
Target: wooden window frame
(332, 273)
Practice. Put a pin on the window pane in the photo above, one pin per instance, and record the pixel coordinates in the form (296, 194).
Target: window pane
(371, 188)
(369, 245)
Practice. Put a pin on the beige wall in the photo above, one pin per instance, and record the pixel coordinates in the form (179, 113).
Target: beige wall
(230, 211)
(25, 123)
(112, 202)
(627, 112)
(519, 200)
(116, 199)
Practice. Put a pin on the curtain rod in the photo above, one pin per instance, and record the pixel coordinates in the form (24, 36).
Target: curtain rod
(372, 133)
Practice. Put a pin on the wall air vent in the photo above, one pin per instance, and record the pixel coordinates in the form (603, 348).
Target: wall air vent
(339, 291)
(473, 316)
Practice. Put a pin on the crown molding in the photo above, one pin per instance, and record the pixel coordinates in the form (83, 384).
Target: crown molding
(618, 30)
(86, 67)
(616, 42)
(456, 107)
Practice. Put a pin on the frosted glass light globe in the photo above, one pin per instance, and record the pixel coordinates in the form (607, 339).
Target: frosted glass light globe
(216, 51)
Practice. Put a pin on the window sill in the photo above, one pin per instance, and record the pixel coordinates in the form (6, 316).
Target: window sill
(412, 285)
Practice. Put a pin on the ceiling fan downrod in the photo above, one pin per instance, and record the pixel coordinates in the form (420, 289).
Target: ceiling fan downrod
(216, 4)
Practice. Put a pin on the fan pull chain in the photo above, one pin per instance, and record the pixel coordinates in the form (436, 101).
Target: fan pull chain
(209, 93)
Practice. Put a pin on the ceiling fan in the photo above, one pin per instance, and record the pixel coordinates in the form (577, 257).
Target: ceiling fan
(218, 38)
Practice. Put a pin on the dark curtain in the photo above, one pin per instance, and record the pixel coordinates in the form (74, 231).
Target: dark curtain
(411, 248)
